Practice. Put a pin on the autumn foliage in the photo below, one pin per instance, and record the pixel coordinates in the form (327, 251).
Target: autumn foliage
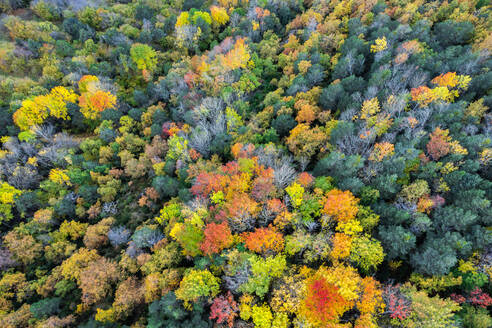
(93, 100)
(240, 163)
(323, 302)
(341, 205)
(224, 309)
(264, 240)
(35, 111)
(217, 237)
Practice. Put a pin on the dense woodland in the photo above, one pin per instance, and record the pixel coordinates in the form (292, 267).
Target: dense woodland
(235, 163)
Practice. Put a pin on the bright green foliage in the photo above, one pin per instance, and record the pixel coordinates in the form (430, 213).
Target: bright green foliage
(168, 213)
(263, 271)
(177, 147)
(234, 120)
(366, 253)
(143, 56)
(189, 236)
(197, 283)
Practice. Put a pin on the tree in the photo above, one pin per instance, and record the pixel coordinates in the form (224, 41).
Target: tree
(477, 110)
(398, 304)
(197, 283)
(262, 273)
(146, 237)
(264, 240)
(451, 32)
(435, 257)
(96, 280)
(304, 141)
(323, 302)
(428, 311)
(169, 212)
(34, 111)
(72, 229)
(381, 151)
(342, 244)
(379, 45)
(397, 241)
(224, 309)
(341, 205)
(330, 292)
(8, 194)
(144, 57)
(128, 296)
(23, 247)
(93, 100)
(216, 238)
(476, 318)
(14, 287)
(72, 268)
(261, 316)
(438, 145)
(296, 193)
(219, 15)
(366, 253)
(97, 234)
(93, 103)
(45, 308)
(190, 237)
(237, 57)
(169, 312)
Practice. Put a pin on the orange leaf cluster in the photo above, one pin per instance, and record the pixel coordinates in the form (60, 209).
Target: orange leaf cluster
(238, 150)
(425, 204)
(305, 179)
(439, 144)
(323, 302)
(217, 238)
(381, 150)
(341, 246)
(97, 101)
(423, 95)
(412, 46)
(241, 184)
(371, 299)
(341, 205)
(446, 80)
(264, 240)
(93, 100)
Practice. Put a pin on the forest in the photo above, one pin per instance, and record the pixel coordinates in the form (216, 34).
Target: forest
(245, 163)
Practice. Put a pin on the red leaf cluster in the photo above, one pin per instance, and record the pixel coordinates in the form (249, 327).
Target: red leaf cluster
(217, 237)
(224, 309)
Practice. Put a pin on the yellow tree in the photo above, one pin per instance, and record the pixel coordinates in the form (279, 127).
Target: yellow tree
(237, 57)
(34, 111)
(7, 199)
